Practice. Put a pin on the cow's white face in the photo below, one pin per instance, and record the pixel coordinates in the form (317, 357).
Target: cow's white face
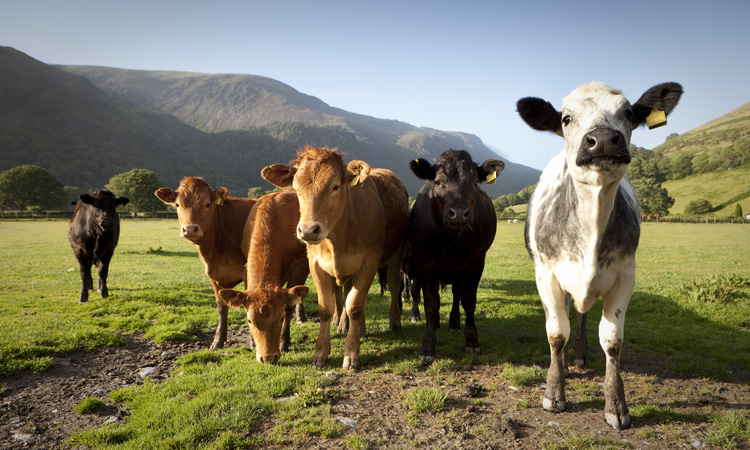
(596, 123)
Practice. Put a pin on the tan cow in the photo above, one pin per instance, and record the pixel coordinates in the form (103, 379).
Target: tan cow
(214, 221)
(274, 257)
(353, 220)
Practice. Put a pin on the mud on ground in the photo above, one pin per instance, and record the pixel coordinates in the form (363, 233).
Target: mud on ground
(483, 411)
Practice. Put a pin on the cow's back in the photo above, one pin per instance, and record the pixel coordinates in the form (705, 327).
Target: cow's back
(395, 201)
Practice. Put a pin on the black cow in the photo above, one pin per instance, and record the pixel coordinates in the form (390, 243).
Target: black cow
(451, 226)
(93, 234)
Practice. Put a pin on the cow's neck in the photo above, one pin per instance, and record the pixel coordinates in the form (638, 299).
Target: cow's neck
(264, 257)
(594, 209)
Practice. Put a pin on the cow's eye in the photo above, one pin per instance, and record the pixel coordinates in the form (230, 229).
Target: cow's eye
(437, 183)
(566, 120)
(335, 188)
(629, 115)
(208, 205)
(176, 205)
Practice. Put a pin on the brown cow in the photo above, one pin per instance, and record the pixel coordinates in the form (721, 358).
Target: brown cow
(353, 220)
(274, 257)
(214, 221)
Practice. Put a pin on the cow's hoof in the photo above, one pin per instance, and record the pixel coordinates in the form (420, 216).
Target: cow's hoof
(215, 345)
(319, 361)
(427, 359)
(395, 327)
(82, 300)
(474, 350)
(617, 422)
(581, 363)
(555, 406)
(350, 363)
(416, 319)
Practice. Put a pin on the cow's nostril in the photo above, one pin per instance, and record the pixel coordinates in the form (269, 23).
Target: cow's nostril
(315, 229)
(591, 141)
(451, 213)
(466, 214)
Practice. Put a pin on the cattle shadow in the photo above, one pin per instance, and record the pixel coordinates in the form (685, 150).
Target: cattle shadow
(160, 252)
(663, 338)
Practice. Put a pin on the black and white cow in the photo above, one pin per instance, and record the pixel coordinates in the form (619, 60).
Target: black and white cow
(451, 226)
(583, 223)
(93, 234)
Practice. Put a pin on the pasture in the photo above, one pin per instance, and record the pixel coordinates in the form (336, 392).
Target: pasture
(686, 356)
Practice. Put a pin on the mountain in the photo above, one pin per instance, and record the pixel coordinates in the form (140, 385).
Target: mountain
(217, 103)
(86, 124)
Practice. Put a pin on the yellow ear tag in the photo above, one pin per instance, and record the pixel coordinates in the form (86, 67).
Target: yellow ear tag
(295, 301)
(491, 178)
(355, 180)
(656, 119)
(218, 201)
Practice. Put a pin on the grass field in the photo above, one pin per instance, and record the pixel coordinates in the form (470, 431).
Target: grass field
(718, 186)
(690, 310)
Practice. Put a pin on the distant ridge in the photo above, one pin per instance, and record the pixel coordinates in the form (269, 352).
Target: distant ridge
(86, 124)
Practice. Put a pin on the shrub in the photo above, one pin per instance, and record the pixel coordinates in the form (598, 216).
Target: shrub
(88, 405)
(699, 206)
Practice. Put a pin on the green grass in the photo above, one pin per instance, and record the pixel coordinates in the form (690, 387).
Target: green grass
(427, 399)
(220, 399)
(88, 405)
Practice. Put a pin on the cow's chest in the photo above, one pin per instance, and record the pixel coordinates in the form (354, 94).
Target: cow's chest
(338, 262)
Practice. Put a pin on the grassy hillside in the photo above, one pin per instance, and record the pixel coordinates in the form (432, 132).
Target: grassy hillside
(722, 132)
(719, 187)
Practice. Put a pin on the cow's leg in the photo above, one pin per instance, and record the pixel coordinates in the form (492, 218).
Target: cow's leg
(558, 332)
(220, 335)
(326, 305)
(454, 321)
(340, 318)
(297, 277)
(581, 343)
(286, 328)
(611, 331)
(84, 266)
(394, 286)
(103, 271)
(355, 308)
(416, 292)
(469, 287)
(432, 318)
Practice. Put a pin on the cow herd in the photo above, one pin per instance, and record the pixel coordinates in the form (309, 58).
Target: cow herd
(344, 223)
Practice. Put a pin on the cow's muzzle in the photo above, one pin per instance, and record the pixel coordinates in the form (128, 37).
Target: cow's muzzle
(458, 216)
(191, 232)
(604, 147)
(310, 232)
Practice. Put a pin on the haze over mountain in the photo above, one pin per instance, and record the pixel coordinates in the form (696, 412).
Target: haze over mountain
(86, 124)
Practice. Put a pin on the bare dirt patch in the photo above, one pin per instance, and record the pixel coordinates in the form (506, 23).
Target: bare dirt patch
(482, 410)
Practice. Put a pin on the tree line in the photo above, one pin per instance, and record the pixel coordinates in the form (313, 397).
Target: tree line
(31, 188)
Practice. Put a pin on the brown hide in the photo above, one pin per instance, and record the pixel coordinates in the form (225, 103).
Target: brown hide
(274, 257)
(214, 222)
(353, 220)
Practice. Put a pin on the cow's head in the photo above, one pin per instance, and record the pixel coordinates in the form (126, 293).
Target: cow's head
(105, 207)
(596, 122)
(452, 184)
(322, 182)
(195, 202)
(266, 309)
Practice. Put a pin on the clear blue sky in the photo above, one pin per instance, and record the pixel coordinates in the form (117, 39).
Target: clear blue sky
(449, 65)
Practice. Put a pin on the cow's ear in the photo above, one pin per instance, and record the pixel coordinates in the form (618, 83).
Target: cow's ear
(357, 172)
(279, 175)
(540, 115)
(166, 195)
(219, 195)
(122, 201)
(662, 97)
(422, 169)
(490, 170)
(87, 199)
(235, 299)
(295, 295)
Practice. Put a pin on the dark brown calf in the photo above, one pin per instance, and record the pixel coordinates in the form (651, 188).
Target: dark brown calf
(93, 234)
